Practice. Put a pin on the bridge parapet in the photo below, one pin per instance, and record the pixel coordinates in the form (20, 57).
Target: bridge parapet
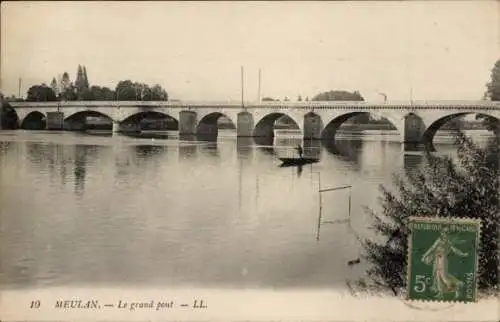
(486, 105)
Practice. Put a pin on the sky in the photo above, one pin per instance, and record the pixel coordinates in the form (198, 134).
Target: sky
(422, 50)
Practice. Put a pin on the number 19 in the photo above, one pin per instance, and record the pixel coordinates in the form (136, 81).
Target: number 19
(35, 304)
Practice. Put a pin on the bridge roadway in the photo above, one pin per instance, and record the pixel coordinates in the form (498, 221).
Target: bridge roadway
(416, 121)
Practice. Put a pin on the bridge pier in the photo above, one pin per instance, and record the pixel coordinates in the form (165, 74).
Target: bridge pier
(116, 127)
(244, 127)
(55, 121)
(413, 130)
(313, 126)
(187, 122)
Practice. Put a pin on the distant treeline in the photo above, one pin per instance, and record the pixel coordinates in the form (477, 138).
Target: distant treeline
(63, 88)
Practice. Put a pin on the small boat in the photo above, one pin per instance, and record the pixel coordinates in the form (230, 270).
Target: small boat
(287, 162)
(355, 261)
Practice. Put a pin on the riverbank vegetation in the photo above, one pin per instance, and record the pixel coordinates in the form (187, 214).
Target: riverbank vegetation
(8, 116)
(465, 187)
(443, 187)
(63, 88)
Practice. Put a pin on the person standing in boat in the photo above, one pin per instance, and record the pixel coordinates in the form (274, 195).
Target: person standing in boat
(299, 150)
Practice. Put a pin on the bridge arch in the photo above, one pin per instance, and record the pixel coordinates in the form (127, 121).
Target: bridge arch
(209, 125)
(265, 126)
(334, 125)
(431, 130)
(149, 120)
(34, 121)
(347, 150)
(81, 120)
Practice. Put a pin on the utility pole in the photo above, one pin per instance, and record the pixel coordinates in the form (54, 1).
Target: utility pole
(242, 87)
(19, 88)
(258, 91)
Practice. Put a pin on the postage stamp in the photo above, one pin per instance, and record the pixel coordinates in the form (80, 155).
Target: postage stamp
(443, 259)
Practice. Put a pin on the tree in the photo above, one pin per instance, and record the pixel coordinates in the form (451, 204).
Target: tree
(99, 93)
(338, 95)
(71, 93)
(442, 187)
(13, 98)
(454, 123)
(144, 92)
(86, 83)
(134, 91)
(341, 95)
(158, 93)
(126, 91)
(8, 116)
(267, 99)
(68, 91)
(492, 124)
(80, 84)
(65, 81)
(41, 93)
(59, 85)
(299, 98)
(493, 87)
(53, 85)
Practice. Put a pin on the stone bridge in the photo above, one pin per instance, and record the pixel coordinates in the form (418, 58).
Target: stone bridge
(416, 121)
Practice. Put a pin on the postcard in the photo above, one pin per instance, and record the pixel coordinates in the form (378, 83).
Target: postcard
(249, 160)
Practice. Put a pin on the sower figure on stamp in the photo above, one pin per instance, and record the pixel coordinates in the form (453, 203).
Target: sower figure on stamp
(437, 256)
(299, 151)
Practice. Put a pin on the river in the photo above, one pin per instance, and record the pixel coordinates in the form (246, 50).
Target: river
(80, 209)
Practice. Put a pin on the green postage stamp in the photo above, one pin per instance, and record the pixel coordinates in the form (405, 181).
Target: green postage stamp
(442, 259)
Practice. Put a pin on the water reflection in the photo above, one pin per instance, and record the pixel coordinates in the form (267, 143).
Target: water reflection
(264, 140)
(299, 170)
(37, 155)
(4, 147)
(312, 149)
(100, 133)
(84, 157)
(244, 147)
(187, 147)
(80, 169)
(346, 149)
(206, 137)
(210, 149)
(148, 135)
(61, 162)
(417, 147)
(134, 213)
(267, 149)
(123, 164)
(412, 161)
(144, 151)
(285, 146)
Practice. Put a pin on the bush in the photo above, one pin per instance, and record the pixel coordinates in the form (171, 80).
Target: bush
(8, 117)
(467, 187)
